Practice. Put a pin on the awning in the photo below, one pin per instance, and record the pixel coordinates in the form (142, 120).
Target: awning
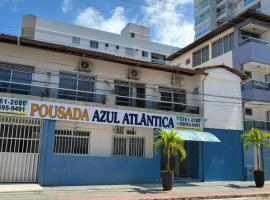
(196, 136)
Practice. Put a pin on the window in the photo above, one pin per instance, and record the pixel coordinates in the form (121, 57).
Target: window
(117, 47)
(15, 79)
(248, 74)
(76, 87)
(246, 34)
(188, 61)
(132, 35)
(144, 54)
(126, 142)
(172, 99)
(129, 52)
(106, 45)
(72, 142)
(222, 46)
(221, 9)
(248, 111)
(94, 44)
(200, 56)
(75, 40)
(129, 94)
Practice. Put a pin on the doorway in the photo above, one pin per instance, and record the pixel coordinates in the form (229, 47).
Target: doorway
(188, 168)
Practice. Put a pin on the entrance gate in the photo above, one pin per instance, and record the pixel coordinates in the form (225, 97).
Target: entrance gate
(19, 148)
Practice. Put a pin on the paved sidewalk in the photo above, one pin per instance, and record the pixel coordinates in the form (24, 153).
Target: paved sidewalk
(192, 190)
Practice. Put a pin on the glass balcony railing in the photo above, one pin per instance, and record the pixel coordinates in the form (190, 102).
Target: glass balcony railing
(158, 105)
(255, 84)
(44, 89)
(256, 40)
(262, 125)
(201, 18)
(246, 2)
(203, 5)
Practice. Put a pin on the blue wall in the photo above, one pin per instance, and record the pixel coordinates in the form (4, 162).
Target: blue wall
(223, 161)
(82, 170)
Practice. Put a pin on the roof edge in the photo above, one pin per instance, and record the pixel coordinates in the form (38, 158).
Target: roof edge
(95, 55)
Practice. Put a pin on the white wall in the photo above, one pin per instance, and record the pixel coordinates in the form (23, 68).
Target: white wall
(259, 110)
(224, 109)
(225, 59)
(101, 140)
(104, 70)
(61, 33)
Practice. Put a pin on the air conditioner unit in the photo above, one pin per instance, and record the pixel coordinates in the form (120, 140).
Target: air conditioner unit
(134, 74)
(177, 79)
(85, 66)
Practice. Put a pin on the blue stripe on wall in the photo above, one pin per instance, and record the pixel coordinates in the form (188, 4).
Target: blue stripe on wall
(83, 170)
(224, 161)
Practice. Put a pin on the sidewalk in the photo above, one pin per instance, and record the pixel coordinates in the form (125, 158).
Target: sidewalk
(187, 190)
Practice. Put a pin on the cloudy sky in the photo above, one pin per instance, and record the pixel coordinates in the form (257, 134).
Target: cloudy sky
(170, 20)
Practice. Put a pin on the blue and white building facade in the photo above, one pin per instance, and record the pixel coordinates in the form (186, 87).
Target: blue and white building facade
(241, 44)
(73, 116)
(210, 14)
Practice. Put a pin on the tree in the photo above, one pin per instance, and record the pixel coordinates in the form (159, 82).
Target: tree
(258, 139)
(171, 145)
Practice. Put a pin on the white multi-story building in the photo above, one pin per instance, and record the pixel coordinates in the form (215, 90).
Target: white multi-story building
(133, 41)
(210, 14)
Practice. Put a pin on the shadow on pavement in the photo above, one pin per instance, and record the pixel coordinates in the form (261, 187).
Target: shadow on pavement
(239, 186)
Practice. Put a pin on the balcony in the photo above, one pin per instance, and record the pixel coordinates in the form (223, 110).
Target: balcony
(52, 90)
(262, 125)
(158, 105)
(201, 7)
(254, 40)
(251, 50)
(255, 90)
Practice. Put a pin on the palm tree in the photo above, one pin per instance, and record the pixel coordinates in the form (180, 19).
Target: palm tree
(258, 139)
(171, 144)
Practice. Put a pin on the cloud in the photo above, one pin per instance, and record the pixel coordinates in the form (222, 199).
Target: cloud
(66, 6)
(170, 25)
(92, 18)
(167, 19)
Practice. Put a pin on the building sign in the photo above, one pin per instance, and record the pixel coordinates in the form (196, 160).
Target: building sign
(186, 122)
(13, 106)
(97, 115)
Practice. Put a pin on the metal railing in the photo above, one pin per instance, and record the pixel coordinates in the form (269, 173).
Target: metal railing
(256, 84)
(256, 40)
(262, 125)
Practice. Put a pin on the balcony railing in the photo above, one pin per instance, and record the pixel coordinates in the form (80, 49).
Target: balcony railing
(256, 84)
(256, 40)
(262, 125)
(203, 5)
(158, 105)
(44, 89)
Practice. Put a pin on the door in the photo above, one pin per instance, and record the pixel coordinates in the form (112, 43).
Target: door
(188, 168)
(268, 120)
(19, 149)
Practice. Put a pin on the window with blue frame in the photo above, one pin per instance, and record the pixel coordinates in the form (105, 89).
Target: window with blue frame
(15, 78)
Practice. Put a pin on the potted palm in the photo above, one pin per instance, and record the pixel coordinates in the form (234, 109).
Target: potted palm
(171, 144)
(258, 139)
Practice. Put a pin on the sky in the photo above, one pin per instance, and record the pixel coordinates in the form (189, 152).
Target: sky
(170, 21)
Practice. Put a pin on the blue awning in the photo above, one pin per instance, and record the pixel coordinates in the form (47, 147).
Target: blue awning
(196, 136)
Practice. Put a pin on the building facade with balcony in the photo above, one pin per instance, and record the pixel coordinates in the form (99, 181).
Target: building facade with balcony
(133, 42)
(210, 14)
(71, 116)
(243, 45)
